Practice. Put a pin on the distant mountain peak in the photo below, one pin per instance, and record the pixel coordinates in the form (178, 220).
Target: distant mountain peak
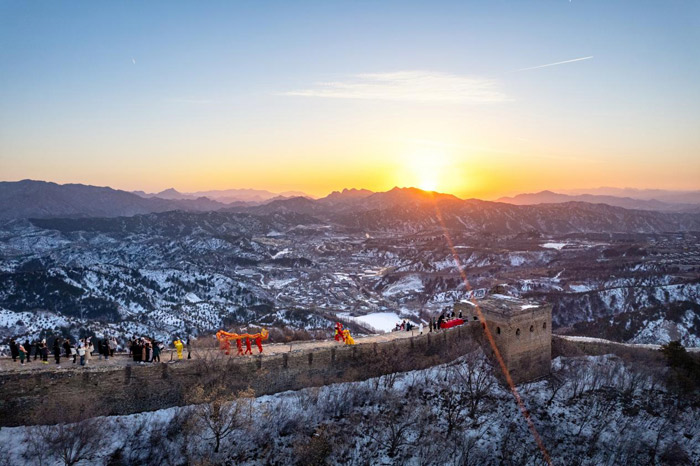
(170, 191)
(417, 193)
(351, 193)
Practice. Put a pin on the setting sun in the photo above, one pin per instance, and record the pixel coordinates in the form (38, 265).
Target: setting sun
(426, 169)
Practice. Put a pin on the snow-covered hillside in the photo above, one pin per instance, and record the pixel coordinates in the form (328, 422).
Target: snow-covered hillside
(186, 273)
(594, 410)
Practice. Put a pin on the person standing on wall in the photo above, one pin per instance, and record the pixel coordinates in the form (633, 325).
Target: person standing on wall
(22, 353)
(44, 352)
(81, 352)
(178, 346)
(57, 350)
(89, 348)
(112, 346)
(66, 347)
(28, 349)
(156, 351)
(14, 349)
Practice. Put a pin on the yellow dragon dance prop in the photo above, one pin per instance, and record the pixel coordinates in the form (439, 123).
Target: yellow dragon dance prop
(225, 339)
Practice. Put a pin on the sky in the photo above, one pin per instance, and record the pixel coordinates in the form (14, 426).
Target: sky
(479, 99)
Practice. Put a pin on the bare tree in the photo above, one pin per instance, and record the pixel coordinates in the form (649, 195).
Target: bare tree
(596, 408)
(555, 382)
(215, 416)
(477, 381)
(451, 406)
(466, 449)
(69, 443)
(316, 449)
(4, 454)
(35, 451)
(393, 425)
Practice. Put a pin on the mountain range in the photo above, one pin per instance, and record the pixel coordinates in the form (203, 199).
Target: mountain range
(41, 199)
(663, 195)
(399, 209)
(670, 203)
(227, 196)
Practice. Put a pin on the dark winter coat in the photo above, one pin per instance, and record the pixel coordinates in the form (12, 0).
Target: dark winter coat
(14, 349)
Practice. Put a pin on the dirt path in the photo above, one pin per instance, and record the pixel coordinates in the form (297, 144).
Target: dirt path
(168, 356)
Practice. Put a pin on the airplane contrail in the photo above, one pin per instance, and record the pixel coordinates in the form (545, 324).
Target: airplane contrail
(554, 64)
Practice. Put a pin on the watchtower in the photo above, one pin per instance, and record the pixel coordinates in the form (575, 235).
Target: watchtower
(522, 332)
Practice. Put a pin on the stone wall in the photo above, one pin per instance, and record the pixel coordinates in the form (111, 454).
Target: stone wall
(521, 331)
(565, 347)
(53, 396)
(526, 344)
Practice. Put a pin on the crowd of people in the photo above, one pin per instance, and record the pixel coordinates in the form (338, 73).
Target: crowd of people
(79, 351)
(407, 326)
(434, 323)
(142, 350)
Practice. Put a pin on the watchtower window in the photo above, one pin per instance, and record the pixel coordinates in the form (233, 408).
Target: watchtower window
(498, 330)
(476, 318)
(544, 325)
(517, 332)
(532, 328)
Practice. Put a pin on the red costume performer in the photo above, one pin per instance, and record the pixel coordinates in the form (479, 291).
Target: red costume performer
(338, 331)
(240, 347)
(258, 341)
(248, 349)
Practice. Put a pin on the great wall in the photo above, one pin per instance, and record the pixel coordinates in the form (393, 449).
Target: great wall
(27, 396)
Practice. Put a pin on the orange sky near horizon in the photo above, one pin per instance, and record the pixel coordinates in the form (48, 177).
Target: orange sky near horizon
(476, 175)
(477, 99)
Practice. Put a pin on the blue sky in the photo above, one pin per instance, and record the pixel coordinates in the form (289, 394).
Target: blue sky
(324, 95)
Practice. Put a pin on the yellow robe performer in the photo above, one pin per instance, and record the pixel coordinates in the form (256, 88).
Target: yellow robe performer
(348, 339)
(178, 346)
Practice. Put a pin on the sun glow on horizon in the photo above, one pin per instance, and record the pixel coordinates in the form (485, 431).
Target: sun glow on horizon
(429, 169)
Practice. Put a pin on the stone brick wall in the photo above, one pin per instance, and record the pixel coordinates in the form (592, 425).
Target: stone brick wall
(523, 336)
(27, 398)
(564, 347)
(526, 343)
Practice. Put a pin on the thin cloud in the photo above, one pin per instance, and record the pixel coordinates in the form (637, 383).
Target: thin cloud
(555, 64)
(414, 86)
(189, 101)
(133, 60)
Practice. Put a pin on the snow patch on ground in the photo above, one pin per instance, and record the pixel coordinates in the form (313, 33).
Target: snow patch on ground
(383, 321)
(282, 253)
(557, 246)
(580, 288)
(408, 284)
